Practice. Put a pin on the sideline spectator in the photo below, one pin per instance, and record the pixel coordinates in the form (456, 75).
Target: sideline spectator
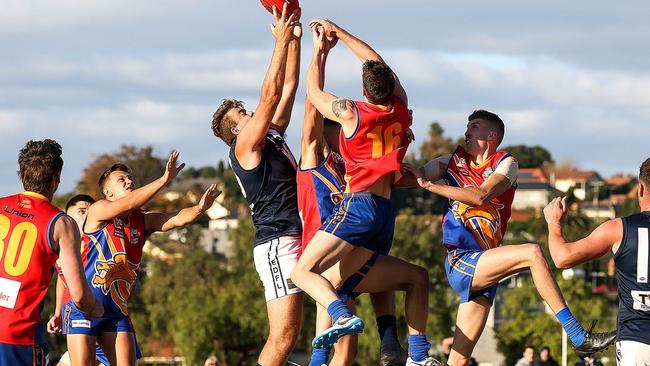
(545, 358)
(211, 361)
(529, 357)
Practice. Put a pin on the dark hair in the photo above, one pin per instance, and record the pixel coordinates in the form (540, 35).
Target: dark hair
(222, 125)
(378, 81)
(121, 167)
(40, 164)
(644, 173)
(79, 198)
(492, 119)
(545, 348)
(529, 346)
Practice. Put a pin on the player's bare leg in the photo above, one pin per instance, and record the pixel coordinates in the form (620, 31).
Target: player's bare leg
(393, 274)
(284, 315)
(81, 348)
(119, 347)
(470, 321)
(323, 252)
(498, 263)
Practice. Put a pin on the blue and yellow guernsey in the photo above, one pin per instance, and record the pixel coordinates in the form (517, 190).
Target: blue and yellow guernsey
(476, 228)
(111, 257)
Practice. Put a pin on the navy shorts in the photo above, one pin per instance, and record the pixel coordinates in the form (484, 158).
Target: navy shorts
(23, 355)
(76, 322)
(460, 266)
(363, 220)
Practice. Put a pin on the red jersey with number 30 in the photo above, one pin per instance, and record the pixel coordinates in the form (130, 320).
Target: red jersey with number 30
(378, 145)
(26, 262)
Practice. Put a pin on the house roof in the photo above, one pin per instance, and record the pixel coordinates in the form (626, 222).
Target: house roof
(619, 180)
(532, 175)
(574, 174)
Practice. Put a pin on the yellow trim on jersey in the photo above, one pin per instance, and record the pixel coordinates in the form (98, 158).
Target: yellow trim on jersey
(35, 194)
(98, 247)
(109, 240)
(326, 181)
(335, 174)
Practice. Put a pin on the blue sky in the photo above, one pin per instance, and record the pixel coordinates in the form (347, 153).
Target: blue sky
(570, 76)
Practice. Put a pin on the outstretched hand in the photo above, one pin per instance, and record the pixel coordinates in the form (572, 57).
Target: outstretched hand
(555, 211)
(329, 27)
(171, 170)
(286, 25)
(207, 200)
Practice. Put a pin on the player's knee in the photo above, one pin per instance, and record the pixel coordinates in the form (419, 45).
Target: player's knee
(421, 278)
(536, 255)
(284, 339)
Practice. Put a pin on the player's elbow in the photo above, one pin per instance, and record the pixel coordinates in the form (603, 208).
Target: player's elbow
(271, 94)
(561, 261)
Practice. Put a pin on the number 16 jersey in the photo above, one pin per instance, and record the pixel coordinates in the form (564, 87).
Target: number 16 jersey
(378, 144)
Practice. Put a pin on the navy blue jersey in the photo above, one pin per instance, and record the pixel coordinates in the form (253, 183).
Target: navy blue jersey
(270, 189)
(632, 264)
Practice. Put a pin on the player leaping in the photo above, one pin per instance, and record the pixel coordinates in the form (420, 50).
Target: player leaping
(320, 182)
(373, 141)
(479, 183)
(266, 171)
(628, 239)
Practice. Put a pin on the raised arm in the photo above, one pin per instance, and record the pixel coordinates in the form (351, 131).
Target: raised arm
(158, 221)
(311, 150)
(339, 110)
(282, 115)
(104, 210)
(66, 237)
(607, 236)
(250, 139)
(360, 49)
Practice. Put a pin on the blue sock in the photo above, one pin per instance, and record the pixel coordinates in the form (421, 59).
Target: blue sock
(418, 347)
(319, 356)
(338, 309)
(574, 330)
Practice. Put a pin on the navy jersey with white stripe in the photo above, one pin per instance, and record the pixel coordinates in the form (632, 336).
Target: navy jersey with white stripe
(270, 189)
(632, 267)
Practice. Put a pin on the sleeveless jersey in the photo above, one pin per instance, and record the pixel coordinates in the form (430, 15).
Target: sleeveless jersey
(318, 191)
(377, 146)
(632, 263)
(481, 227)
(26, 262)
(111, 257)
(270, 189)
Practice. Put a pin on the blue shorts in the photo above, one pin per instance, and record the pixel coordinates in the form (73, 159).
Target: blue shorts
(11, 354)
(460, 265)
(76, 322)
(363, 220)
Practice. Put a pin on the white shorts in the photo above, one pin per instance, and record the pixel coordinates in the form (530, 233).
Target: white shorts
(631, 353)
(274, 261)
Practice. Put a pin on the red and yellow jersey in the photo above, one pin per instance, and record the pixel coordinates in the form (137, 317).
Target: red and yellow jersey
(26, 261)
(319, 189)
(378, 145)
(111, 257)
(480, 227)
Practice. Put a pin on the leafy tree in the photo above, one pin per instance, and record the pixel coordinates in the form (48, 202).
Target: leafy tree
(530, 156)
(145, 166)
